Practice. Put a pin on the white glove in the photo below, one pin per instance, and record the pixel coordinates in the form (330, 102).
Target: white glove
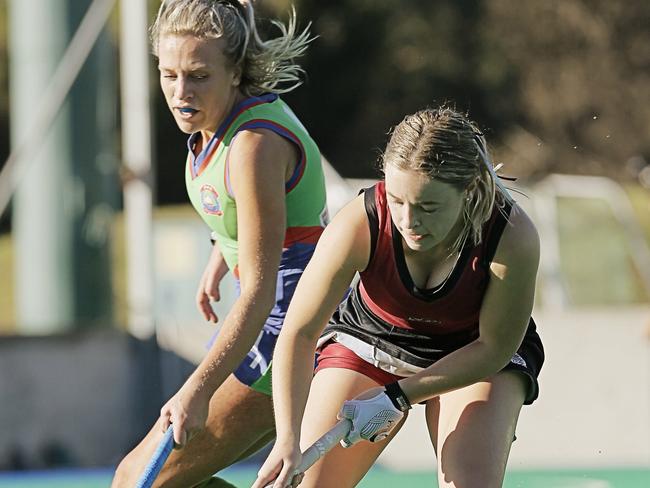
(372, 419)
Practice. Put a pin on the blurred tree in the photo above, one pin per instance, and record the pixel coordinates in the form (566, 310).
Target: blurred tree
(583, 76)
(376, 61)
(559, 86)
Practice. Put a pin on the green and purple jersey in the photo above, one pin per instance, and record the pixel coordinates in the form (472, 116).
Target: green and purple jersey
(208, 186)
(208, 182)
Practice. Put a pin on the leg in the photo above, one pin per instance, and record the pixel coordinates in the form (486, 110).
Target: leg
(239, 418)
(340, 468)
(216, 482)
(472, 430)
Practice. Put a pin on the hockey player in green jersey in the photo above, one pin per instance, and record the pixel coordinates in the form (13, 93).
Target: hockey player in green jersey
(254, 175)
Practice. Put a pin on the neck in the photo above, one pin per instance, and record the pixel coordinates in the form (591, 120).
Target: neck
(207, 134)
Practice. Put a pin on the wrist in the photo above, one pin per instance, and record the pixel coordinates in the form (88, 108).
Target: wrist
(199, 387)
(397, 396)
(287, 439)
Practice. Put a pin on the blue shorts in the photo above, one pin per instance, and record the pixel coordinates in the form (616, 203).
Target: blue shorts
(255, 370)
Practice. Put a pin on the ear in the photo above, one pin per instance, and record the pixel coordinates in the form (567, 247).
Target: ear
(471, 188)
(236, 76)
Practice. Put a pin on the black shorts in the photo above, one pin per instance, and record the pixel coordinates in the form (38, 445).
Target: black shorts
(529, 359)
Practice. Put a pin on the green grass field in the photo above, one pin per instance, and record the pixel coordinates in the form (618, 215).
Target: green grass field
(377, 478)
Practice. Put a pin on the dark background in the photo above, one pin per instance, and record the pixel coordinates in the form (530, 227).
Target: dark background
(558, 86)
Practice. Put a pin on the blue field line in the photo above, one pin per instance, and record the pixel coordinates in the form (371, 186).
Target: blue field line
(58, 478)
(58, 474)
(93, 477)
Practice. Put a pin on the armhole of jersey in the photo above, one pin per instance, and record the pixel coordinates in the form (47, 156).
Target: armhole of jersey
(496, 231)
(283, 132)
(226, 172)
(373, 220)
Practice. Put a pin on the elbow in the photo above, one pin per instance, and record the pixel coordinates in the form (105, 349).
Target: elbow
(501, 362)
(496, 358)
(261, 297)
(307, 337)
(265, 303)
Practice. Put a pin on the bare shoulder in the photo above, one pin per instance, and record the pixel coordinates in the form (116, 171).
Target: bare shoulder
(252, 145)
(348, 234)
(519, 243)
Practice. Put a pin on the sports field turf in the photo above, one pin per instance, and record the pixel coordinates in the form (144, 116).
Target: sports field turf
(377, 478)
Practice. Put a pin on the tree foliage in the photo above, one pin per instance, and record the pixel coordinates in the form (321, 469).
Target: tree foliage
(558, 86)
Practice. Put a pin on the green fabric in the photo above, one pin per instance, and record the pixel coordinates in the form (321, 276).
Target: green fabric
(263, 383)
(305, 203)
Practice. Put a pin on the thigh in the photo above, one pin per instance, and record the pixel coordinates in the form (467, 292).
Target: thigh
(472, 430)
(340, 468)
(239, 420)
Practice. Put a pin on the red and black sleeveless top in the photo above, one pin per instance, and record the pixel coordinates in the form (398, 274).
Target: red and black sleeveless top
(386, 310)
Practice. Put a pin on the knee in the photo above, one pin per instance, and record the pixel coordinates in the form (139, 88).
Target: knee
(124, 474)
(120, 477)
(128, 471)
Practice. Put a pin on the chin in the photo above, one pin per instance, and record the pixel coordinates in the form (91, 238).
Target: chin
(416, 245)
(186, 127)
(425, 244)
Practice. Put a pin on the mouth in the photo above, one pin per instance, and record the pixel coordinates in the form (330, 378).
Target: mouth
(415, 237)
(186, 112)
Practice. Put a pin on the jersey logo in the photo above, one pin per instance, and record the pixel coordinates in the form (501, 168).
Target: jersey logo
(210, 200)
(423, 320)
(518, 360)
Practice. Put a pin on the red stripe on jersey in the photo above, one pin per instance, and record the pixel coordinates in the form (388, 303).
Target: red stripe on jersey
(305, 235)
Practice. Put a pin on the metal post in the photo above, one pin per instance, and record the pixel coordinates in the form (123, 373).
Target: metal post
(43, 205)
(136, 154)
(61, 163)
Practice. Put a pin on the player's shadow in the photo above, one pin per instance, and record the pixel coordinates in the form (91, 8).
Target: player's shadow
(470, 453)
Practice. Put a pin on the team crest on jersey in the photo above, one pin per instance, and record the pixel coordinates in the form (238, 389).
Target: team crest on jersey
(210, 200)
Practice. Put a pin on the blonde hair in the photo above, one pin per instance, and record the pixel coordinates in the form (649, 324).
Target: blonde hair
(264, 65)
(445, 145)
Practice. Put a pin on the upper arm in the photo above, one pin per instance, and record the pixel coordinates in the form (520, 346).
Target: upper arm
(257, 163)
(342, 250)
(508, 301)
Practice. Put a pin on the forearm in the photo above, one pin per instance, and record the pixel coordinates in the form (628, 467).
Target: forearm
(218, 262)
(239, 332)
(293, 366)
(467, 365)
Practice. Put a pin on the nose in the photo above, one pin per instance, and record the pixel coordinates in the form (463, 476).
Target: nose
(183, 89)
(410, 219)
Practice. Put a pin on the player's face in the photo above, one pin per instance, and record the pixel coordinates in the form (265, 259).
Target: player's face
(424, 210)
(199, 84)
